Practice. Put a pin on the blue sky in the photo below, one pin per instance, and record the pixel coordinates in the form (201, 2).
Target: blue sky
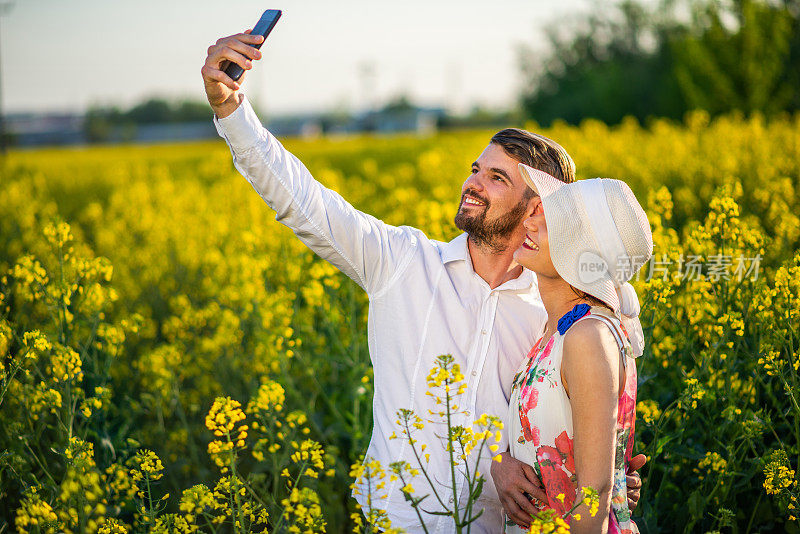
(69, 54)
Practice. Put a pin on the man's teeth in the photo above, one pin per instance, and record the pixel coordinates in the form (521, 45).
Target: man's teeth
(531, 243)
(470, 200)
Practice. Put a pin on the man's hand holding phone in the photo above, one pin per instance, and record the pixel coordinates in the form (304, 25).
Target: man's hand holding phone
(221, 89)
(228, 60)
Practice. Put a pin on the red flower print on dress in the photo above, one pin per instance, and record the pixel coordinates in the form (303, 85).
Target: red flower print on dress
(549, 455)
(555, 479)
(530, 398)
(564, 446)
(626, 406)
(544, 429)
(627, 423)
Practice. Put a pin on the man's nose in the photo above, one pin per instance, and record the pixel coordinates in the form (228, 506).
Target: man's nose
(475, 181)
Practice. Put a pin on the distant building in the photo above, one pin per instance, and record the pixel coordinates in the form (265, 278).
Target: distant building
(173, 131)
(309, 126)
(422, 121)
(31, 129)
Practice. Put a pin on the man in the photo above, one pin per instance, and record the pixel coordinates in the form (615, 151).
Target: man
(467, 298)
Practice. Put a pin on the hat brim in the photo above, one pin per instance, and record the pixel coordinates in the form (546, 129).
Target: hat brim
(563, 239)
(542, 183)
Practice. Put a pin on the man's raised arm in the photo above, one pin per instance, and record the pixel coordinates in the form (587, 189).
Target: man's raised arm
(364, 248)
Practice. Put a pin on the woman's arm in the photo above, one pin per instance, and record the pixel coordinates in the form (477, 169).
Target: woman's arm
(591, 375)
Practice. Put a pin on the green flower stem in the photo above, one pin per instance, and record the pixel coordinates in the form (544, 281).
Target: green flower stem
(150, 518)
(471, 482)
(276, 474)
(39, 462)
(209, 522)
(724, 489)
(252, 492)
(421, 465)
(63, 338)
(753, 515)
(294, 485)
(791, 352)
(452, 464)
(237, 509)
(6, 383)
(766, 388)
(575, 505)
(415, 504)
(468, 507)
(182, 416)
(319, 388)
(369, 500)
(653, 444)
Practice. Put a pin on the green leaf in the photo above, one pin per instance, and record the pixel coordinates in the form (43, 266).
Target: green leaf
(695, 505)
(477, 490)
(662, 441)
(447, 514)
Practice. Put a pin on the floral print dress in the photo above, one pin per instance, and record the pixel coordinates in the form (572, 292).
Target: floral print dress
(540, 421)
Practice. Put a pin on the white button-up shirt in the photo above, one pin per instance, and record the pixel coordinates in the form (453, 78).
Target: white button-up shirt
(425, 300)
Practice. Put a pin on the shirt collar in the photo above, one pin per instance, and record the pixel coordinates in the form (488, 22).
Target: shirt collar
(457, 250)
(524, 281)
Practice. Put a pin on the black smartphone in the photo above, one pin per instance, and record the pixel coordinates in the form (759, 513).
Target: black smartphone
(264, 25)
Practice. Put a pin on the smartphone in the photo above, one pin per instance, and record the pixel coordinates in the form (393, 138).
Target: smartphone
(264, 25)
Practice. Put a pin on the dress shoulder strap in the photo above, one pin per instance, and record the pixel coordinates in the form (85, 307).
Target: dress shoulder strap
(622, 342)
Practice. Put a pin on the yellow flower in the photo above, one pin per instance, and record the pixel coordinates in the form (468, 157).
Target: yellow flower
(270, 395)
(35, 513)
(112, 526)
(778, 477)
(591, 498)
(648, 410)
(712, 462)
(145, 464)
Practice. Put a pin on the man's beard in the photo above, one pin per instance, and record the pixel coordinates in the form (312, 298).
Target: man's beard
(490, 234)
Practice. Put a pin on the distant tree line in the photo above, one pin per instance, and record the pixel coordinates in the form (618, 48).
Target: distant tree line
(662, 61)
(112, 123)
(100, 121)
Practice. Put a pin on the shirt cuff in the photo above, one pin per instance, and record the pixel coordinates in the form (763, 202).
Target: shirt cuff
(241, 129)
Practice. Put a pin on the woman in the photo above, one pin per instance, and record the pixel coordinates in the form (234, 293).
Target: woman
(572, 406)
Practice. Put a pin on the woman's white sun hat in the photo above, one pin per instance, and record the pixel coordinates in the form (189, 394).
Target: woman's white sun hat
(599, 238)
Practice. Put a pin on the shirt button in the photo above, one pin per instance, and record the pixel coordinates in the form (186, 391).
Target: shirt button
(483, 332)
(474, 373)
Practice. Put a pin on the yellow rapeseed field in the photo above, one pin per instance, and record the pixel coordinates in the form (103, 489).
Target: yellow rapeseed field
(172, 359)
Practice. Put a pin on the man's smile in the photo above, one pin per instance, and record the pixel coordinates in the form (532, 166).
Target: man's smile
(470, 200)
